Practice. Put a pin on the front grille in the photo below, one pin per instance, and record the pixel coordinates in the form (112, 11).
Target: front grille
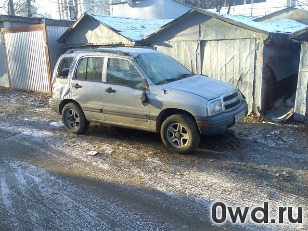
(229, 97)
(232, 105)
(231, 101)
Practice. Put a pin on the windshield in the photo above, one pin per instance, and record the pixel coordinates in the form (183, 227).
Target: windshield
(161, 68)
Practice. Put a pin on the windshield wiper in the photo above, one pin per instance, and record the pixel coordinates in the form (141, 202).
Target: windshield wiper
(183, 76)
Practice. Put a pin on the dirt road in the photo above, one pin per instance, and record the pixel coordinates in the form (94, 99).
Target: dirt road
(115, 178)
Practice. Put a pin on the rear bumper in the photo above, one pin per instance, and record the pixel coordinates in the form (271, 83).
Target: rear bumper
(54, 105)
(217, 124)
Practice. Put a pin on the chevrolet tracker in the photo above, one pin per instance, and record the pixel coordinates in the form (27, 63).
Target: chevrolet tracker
(143, 89)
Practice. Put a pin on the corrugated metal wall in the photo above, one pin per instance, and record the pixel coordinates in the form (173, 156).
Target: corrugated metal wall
(32, 53)
(186, 52)
(55, 49)
(26, 54)
(232, 61)
(302, 83)
(4, 79)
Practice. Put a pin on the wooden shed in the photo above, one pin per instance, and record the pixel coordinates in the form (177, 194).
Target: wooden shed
(99, 30)
(29, 51)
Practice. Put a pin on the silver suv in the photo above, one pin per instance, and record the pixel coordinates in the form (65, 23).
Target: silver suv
(143, 89)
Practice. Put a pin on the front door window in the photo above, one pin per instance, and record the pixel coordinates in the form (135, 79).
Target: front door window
(122, 72)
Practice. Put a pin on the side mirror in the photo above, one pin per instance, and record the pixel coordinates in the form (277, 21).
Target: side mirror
(145, 85)
(64, 73)
(145, 98)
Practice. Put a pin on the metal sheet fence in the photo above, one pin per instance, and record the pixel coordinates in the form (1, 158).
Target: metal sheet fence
(4, 79)
(26, 54)
(232, 61)
(302, 85)
(55, 49)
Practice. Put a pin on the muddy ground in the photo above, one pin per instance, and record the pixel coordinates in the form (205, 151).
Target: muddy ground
(116, 178)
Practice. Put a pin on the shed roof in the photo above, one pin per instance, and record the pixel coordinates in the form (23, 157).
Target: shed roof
(47, 21)
(287, 13)
(301, 35)
(283, 26)
(134, 29)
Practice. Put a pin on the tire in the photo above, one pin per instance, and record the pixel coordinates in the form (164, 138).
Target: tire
(180, 133)
(74, 119)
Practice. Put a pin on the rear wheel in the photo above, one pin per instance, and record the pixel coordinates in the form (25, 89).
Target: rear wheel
(180, 133)
(74, 119)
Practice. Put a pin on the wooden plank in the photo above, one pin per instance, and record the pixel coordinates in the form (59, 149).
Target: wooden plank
(37, 27)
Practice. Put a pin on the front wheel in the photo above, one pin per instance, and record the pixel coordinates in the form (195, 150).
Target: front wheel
(74, 119)
(180, 133)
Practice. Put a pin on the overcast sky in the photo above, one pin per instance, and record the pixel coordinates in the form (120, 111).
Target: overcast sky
(48, 7)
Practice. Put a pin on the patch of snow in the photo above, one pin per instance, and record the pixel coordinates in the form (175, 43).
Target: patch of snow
(134, 29)
(109, 152)
(36, 134)
(5, 192)
(56, 124)
(283, 26)
(92, 153)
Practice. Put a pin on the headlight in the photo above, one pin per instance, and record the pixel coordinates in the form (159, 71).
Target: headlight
(215, 107)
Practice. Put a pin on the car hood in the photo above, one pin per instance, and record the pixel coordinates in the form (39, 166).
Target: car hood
(203, 86)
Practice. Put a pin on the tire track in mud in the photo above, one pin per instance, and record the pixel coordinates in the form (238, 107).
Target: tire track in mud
(36, 199)
(162, 175)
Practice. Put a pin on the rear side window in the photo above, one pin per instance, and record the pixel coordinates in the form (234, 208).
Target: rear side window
(81, 73)
(90, 69)
(64, 67)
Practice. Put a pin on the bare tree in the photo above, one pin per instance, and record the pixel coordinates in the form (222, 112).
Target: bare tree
(76, 6)
(302, 3)
(72, 9)
(59, 9)
(230, 3)
(19, 7)
(219, 5)
(29, 8)
(68, 9)
(11, 7)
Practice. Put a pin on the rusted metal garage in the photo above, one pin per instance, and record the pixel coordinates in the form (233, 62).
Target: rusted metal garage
(29, 49)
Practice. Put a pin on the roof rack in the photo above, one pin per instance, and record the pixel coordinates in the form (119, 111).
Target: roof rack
(99, 49)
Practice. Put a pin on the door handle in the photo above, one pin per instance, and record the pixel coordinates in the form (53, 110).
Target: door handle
(77, 86)
(110, 90)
